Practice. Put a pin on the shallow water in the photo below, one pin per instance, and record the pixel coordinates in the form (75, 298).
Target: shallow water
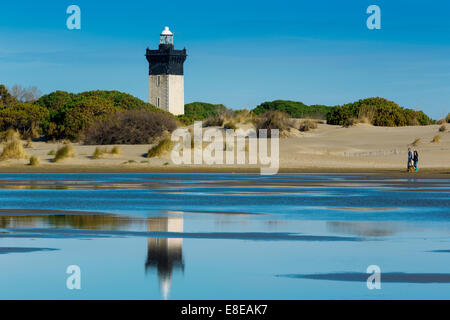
(223, 236)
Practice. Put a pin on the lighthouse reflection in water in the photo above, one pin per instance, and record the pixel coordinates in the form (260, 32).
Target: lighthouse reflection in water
(165, 255)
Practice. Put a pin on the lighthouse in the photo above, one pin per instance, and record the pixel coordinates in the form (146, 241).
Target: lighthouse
(166, 76)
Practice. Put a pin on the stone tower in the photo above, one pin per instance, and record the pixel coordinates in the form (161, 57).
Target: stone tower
(166, 80)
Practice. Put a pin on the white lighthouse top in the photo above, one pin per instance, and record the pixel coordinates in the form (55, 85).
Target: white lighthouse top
(166, 32)
(166, 36)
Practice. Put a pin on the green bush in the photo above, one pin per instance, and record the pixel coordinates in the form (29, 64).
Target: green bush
(199, 111)
(6, 99)
(28, 119)
(70, 114)
(294, 109)
(379, 112)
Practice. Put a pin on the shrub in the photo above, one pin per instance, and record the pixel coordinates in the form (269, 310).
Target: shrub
(65, 151)
(350, 122)
(307, 125)
(13, 150)
(115, 150)
(71, 114)
(447, 118)
(51, 153)
(11, 135)
(34, 161)
(379, 111)
(97, 153)
(273, 120)
(163, 146)
(130, 127)
(230, 125)
(56, 100)
(201, 111)
(415, 142)
(436, 138)
(241, 115)
(216, 121)
(441, 121)
(6, 99)
(26, 118)
(442, 128)
(294, 109)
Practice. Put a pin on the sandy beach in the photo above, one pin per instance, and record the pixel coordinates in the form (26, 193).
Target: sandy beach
(361, 148)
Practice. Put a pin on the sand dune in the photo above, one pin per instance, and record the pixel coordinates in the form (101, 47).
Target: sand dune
(325, 148)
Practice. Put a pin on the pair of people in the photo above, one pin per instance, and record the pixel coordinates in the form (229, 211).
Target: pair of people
(413, 160)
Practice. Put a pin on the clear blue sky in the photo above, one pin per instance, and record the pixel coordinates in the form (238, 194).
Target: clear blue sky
(241, 53)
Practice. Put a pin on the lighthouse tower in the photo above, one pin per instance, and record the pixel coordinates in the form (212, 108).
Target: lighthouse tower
(166, 80)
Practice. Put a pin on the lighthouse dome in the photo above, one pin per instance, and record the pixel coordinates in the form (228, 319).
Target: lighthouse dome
(166, 37)
(166, 32)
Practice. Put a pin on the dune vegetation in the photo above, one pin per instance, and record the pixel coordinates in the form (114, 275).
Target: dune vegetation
(63, 115)
(34, 161)
(130, 127)
(293, 109)
(13, 150)
(163, 146)
(64, 152)
(378, 112)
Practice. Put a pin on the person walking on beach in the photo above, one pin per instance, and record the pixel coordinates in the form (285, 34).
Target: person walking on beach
(410, 159)
(416, 160)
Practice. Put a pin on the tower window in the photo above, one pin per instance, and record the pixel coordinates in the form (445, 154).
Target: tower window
(157, 102)
(158, 81)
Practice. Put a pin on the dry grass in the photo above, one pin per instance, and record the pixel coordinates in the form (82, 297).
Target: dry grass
(97, 153)
(415, 142)
(436, 138)
(65, 151)
(350, 122)
(364, 119)
(216, 121)
(11, 135)
(442, 128)
(441, 121)
(34, 161)
(13, 150)
(307, 125)
(163, 146)
(29, 143)
(115, 150)
(241, 116)
(230, 125)
(51, 153)
(273, 120)
(447, 118)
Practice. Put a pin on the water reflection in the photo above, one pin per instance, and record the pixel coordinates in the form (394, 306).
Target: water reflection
(370, 229)
(165, 254)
